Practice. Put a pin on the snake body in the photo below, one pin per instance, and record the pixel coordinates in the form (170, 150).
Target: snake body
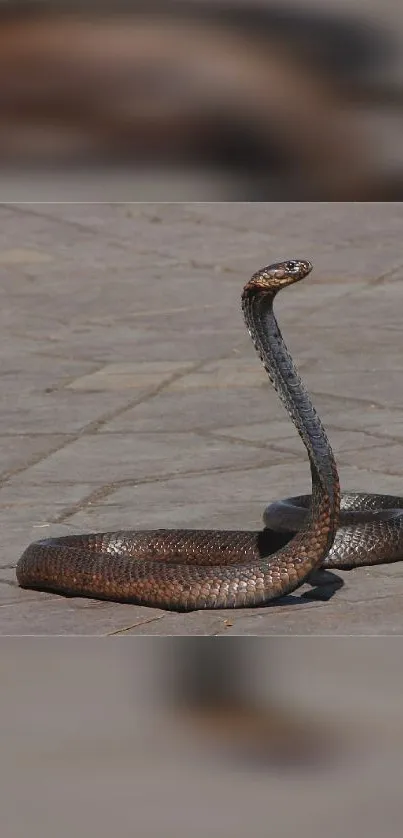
(185, 570)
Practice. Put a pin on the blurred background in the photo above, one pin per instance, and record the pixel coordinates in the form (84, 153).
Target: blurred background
(201, 100)
(96, 742)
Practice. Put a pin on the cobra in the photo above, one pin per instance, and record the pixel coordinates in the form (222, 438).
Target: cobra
(185, 570)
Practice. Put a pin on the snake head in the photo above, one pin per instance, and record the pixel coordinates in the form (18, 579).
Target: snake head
(279, 274)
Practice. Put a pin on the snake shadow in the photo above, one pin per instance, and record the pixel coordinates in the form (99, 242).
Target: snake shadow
(324, 584)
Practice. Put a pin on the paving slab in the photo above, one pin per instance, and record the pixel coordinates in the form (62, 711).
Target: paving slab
(131, 395)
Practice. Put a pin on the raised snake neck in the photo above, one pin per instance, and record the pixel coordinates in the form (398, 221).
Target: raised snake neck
(257, 304)
(186, 570)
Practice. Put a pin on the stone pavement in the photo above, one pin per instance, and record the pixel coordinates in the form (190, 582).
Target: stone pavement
(132, 396)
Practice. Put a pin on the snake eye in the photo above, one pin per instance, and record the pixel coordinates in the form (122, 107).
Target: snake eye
(291, 266)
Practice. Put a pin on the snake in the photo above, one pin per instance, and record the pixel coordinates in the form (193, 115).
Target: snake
(187, 570)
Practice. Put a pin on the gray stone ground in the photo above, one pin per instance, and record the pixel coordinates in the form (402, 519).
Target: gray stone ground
(132, 396)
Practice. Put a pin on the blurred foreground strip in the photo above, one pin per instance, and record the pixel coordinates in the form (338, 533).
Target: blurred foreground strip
(102, 736)
(268, 101)
(217, 697)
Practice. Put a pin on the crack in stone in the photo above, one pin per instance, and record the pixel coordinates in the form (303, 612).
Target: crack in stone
(135, 625)
(95, 424)
(358, 400)
(108, 489)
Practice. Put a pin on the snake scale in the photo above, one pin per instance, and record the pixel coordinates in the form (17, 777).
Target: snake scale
(185, 570)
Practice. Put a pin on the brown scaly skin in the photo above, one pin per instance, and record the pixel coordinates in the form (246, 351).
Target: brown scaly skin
(189, 570)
